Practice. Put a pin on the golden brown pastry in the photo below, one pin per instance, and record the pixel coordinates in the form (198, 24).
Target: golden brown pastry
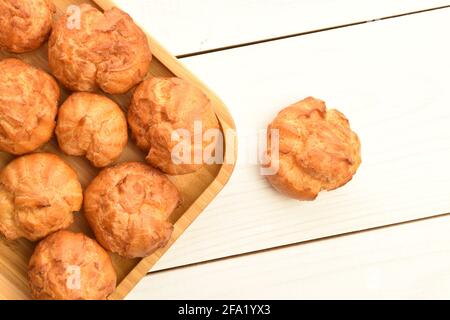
(317, 150)
(158, 108)
(106, 50)
(128, 207)
(28, 106)
(38, 195)
(92, 125)
(70, 266)
(25, 24)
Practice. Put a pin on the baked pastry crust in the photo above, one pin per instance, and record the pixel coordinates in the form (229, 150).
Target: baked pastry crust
(94, 126)
(108, 50)
(70, 266)
(28, 106)
(317, 150)
(38, 195)
(25, 24)
(159, 107)
(128, 207)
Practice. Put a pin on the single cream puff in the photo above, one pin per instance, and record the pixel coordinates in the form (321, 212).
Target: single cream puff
(28, 106)
(70, 266)
(161, 109)
(25, 24)
(94, 126)
(104, 50)
(128, 207)
(38, 195)
(317, 150)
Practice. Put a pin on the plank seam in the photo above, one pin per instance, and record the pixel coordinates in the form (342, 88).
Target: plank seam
(256, 42)
(299, 243)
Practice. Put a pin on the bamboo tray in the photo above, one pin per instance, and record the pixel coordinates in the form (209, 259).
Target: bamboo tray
(198, 189)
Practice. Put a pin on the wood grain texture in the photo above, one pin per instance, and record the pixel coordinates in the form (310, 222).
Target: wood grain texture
(391, 80)
(409, 261)
(197, 25)
(197, 189)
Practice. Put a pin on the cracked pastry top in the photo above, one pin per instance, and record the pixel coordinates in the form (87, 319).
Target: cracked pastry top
(70, 266)
(94, 126)
(161, 107)
(128, 207)
(38, 195)
(90, 49)
(317, 150)
(28, 106)
(25, 24)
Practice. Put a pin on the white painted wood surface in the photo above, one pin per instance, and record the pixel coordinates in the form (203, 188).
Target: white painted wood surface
(391, 78)
(410, 261)
(196, 25)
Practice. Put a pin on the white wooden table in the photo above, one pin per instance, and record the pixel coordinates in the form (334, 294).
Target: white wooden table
(384, 235)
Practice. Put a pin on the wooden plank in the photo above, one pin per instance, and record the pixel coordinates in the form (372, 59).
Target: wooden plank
(197, 25)
(410, 261)
(389, 77)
